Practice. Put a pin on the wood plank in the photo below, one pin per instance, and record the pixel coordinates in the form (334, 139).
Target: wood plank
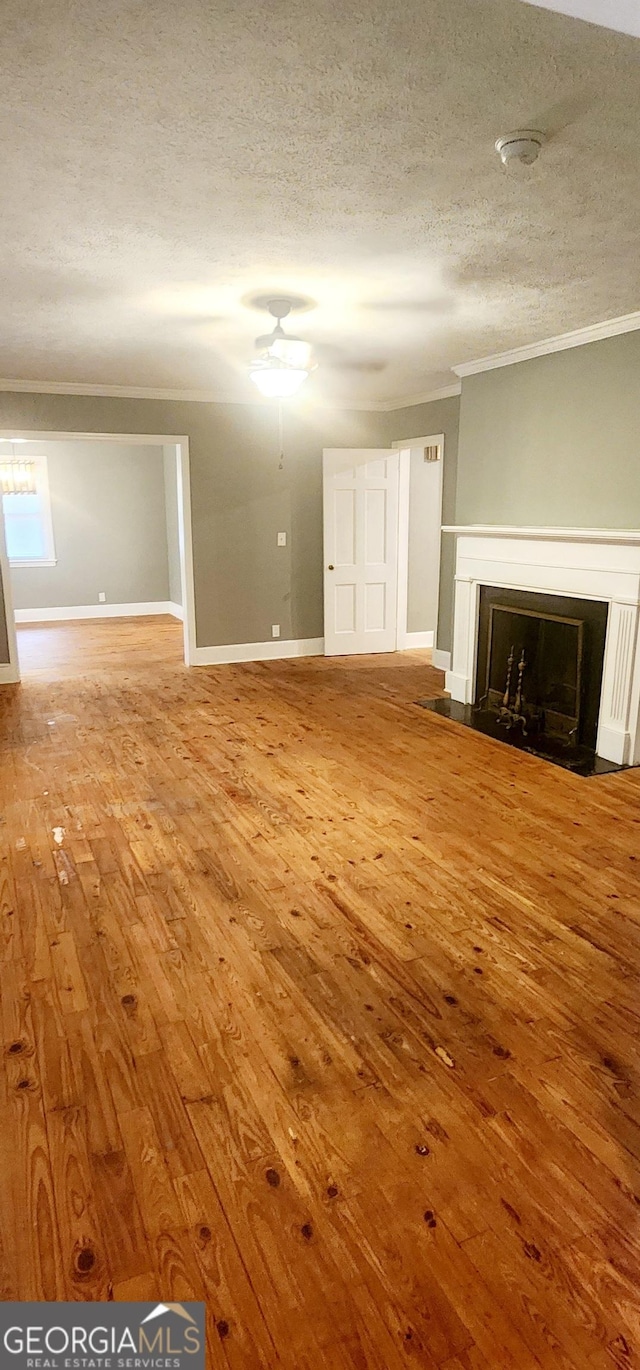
(84, 1263)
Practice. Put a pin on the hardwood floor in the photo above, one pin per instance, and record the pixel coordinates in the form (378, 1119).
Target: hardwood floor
(317, 1007)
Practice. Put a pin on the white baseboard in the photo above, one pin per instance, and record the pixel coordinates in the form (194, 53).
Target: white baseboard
(276, 650)
(614, 745)
(415, 641)
(98, 611)
(459, 687)
(9, 675)
(441, 660)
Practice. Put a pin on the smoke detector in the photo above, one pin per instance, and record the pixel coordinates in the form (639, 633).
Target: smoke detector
(521, 147)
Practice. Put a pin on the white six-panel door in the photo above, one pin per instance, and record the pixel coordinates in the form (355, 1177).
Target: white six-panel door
(360, 550)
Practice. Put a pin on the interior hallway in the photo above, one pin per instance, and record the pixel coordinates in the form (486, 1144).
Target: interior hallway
(317, 1007)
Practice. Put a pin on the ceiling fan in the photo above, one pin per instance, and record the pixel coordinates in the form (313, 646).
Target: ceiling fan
(283, 362)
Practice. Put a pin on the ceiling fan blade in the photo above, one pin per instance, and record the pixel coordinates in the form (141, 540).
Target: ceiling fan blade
(443, 304)
(194, 320)
(371, 366)
(338, 359)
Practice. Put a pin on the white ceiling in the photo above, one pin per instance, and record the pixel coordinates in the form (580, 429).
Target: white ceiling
(163, 164)
(622, 15)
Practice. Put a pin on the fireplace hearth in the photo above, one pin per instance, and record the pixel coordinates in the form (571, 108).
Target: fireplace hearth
(579, 759)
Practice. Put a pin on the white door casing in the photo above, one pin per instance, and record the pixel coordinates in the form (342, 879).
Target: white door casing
(360, 550)
(10, 670)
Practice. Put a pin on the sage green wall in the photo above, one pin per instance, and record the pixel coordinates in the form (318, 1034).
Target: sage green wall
(240, 500)
(420, 420)
(554, 441)
(109, 527)
(423, 578)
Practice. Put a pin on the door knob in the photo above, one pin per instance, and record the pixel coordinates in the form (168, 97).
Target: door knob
(331, 568)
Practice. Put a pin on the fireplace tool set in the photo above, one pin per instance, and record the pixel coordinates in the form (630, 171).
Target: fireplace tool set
(511, 712)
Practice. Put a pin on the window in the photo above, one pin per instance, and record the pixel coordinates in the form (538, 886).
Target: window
(27, 511)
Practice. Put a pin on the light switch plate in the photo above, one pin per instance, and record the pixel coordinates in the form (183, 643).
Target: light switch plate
(282, 539)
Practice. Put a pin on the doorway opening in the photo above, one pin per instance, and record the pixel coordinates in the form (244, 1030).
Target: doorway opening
(94, 526)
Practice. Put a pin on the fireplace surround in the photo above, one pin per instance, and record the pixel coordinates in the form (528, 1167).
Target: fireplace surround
(563, 565)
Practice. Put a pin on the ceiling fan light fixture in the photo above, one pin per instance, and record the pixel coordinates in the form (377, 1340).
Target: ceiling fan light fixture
(291, 351)
(284, 362)
(275, 379)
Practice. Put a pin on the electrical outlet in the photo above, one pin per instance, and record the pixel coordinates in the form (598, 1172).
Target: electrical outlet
(282, 539)
(102, 598)
(275, 630)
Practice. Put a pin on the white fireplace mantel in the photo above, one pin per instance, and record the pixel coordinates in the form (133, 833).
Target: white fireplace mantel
(587, 563)
(616, 536)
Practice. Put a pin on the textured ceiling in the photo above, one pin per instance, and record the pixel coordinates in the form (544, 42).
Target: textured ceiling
(163, 163)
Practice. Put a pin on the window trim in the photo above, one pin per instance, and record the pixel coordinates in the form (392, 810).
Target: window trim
(43, 491)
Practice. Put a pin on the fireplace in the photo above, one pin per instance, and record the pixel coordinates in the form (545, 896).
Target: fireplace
(579, 573)
(539, 666)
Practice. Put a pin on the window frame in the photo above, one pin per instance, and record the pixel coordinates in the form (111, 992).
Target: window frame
(44, 494)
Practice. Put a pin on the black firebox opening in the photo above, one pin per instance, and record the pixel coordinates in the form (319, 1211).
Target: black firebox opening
(540, 664)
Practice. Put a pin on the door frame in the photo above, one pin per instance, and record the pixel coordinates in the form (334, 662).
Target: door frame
(405, 640)
(10, 674)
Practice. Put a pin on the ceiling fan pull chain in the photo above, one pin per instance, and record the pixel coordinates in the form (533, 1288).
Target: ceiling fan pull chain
(280, 436)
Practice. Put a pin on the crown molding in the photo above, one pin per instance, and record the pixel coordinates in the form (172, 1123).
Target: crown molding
(446, 392)
(579, 337)
(137, 392)
(124, 392)
(611, 328)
